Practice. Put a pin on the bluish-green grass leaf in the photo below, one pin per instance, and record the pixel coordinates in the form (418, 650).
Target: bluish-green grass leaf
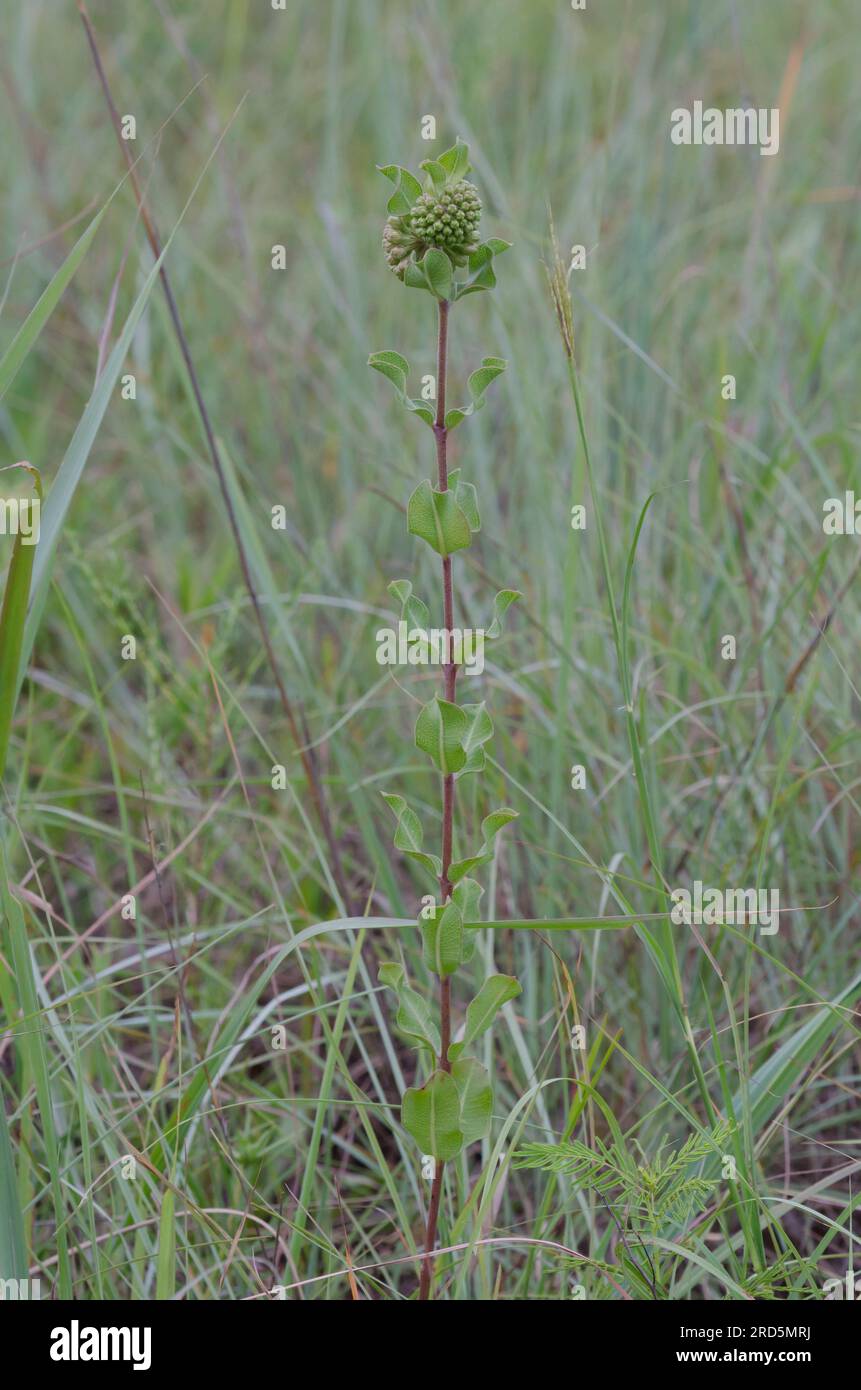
(13, 618)
(47, 302)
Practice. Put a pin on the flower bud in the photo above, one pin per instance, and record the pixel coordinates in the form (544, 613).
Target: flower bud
(449, 220)
(399, 243)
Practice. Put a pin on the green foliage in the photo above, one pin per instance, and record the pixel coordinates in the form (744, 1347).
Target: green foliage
(413, 609)
(437, 517)
(490, 828)
(409, 834)
(441, 729)
(407, 187)
(396, 369)
(490, 369)
(467, 499)
(475, 1095)
(455, 161)
(437, 271)
(478, 732)
(501, 605)
(496, 991)
(480, 271)
(655, 1198)
(431, 1114)
(443, 940)
(414, 1012)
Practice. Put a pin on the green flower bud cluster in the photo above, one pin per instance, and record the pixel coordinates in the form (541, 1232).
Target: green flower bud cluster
(399, 244)
(447, 220)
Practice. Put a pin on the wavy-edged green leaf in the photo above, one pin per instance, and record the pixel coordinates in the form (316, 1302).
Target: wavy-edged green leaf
(480, 272)
(414, 1012)
(438, 272)
(479, 380)
(407, 188)
(466, 497)
(442, 938)
(392, 974)
(494, 993)
(413, 609)
(455, 161)
(396, 369)
(476, 1098)
(479, 731)
(437, 175)
(435, 517)
(501, 605)
(409, 834)
(416, 614)
(467, 894)
(490, 828)
(414, 278)
(440, 729)
(431, 1114)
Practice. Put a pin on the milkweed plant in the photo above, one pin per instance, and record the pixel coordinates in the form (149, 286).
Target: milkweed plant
(431, 242)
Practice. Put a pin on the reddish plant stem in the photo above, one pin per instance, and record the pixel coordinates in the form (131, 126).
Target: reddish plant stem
(450, 682)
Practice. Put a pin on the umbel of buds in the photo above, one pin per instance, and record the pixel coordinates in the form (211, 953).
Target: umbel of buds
(443, 214)
(399, 243)
(447, 220)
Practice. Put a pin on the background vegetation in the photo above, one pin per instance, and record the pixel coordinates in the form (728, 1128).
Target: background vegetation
(290, 1167)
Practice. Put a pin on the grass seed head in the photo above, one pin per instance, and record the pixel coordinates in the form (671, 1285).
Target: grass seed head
(557, 279)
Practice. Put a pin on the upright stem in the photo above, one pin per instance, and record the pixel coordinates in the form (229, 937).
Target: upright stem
(450, 681)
